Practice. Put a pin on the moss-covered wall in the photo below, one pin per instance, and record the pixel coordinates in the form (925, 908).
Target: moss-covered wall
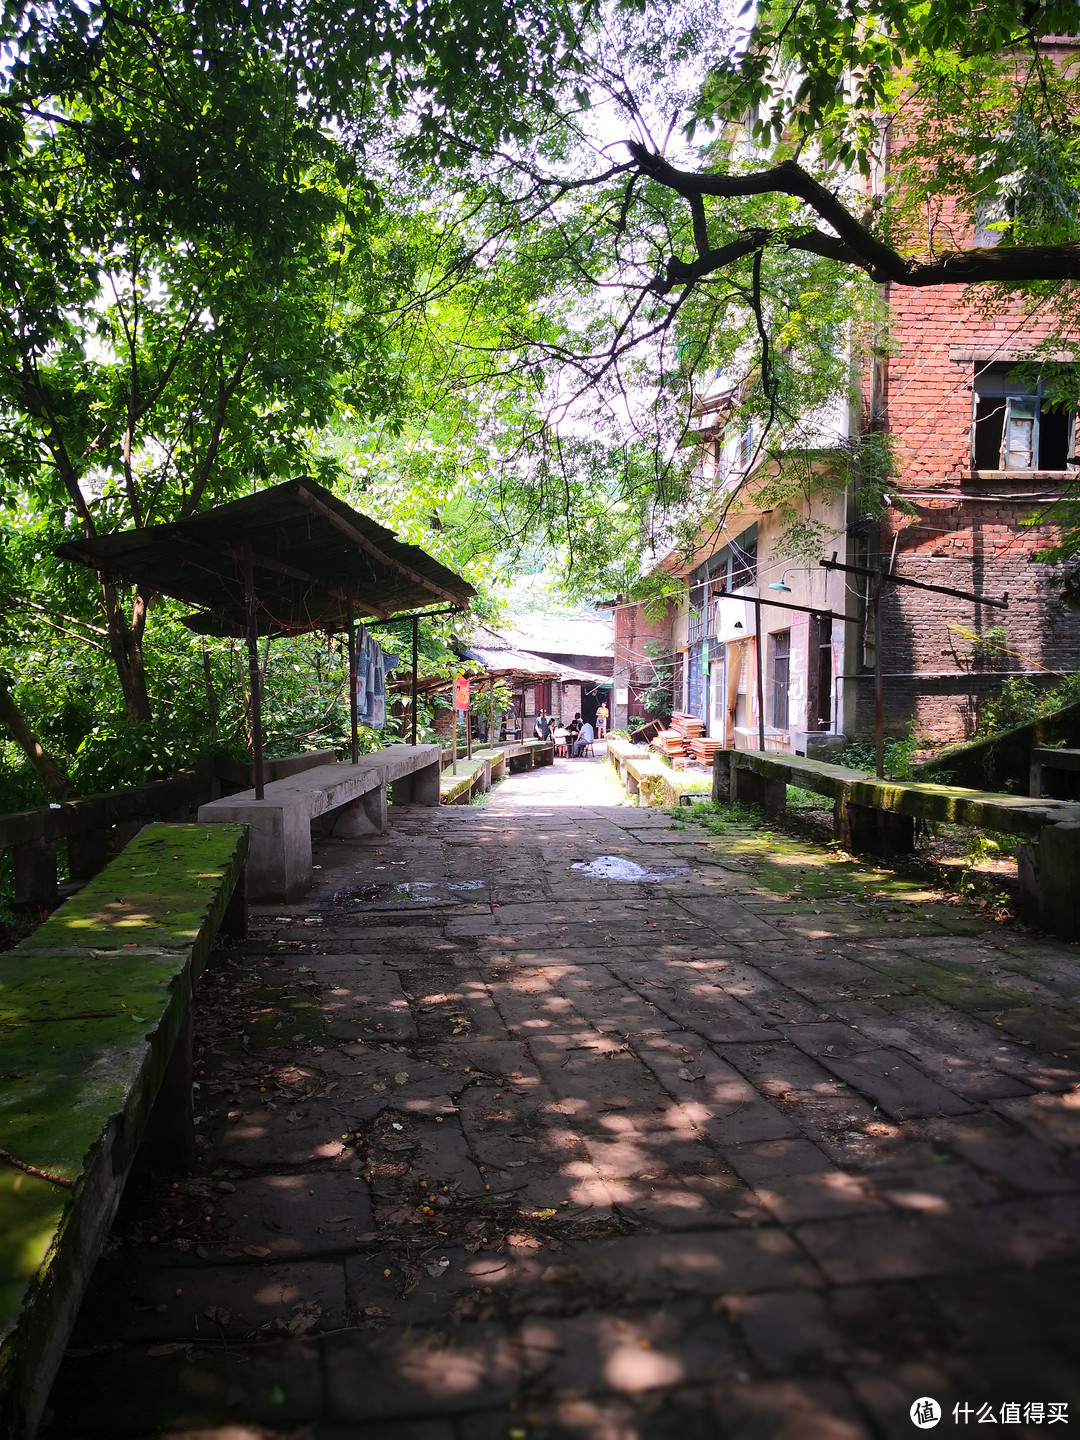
(1004, 761)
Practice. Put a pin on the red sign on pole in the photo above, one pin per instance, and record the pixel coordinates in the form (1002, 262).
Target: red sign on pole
(461, 692)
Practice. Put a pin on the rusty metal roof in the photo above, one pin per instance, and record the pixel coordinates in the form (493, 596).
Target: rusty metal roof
(506, 661)
(309, 551)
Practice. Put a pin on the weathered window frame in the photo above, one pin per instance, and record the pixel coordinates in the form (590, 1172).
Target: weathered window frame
(1012, 442)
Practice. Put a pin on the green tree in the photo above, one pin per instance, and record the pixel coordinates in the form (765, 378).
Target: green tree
(174, 226)
(969, 103)
(704, 202)
(198, 259)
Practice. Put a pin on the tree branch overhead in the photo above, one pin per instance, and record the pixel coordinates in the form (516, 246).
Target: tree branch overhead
(851, 242)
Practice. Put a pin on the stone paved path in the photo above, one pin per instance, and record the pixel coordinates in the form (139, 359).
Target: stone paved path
(494, 1149)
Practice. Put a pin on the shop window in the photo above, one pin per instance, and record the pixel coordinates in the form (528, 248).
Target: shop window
(743, 559)
(1015, 427)
(780, 674)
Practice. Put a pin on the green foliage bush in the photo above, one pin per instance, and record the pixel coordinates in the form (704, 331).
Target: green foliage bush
(897, 756)
(1021, 700)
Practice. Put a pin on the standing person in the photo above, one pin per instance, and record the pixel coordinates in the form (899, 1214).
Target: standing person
(542, 728)
(601, 719)
(585, 737)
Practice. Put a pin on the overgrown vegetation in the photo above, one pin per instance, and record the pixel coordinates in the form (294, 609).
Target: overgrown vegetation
(236, 247)
(899, 755)
(1021, 701)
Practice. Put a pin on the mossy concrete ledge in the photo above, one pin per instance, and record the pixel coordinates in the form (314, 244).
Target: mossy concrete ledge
(472, 776)
(879, 816)
(653, 782)
(95, 1027)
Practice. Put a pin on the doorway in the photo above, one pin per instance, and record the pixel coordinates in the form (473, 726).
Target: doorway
(819, 674)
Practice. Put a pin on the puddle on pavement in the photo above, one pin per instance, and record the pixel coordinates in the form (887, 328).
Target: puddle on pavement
(465, 884)
(410, 892)
(618, 867)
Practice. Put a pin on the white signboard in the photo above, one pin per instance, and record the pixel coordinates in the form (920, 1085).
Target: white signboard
(734, 619)
(622, 697)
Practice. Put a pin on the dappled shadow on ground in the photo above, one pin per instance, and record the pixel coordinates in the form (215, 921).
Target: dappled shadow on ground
(769, 1148)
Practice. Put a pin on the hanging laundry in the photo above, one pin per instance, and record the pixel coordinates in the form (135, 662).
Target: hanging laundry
(371, 668)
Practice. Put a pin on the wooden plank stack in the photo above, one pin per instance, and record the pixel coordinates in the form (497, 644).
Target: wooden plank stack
(669, 743)
(703, 748)
(690, 727)
(686, 742)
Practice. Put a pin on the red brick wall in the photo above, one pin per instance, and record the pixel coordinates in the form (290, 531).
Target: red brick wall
(961, 535)
(635, 633)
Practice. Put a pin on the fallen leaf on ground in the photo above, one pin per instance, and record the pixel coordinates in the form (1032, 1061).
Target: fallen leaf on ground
(305, 1317)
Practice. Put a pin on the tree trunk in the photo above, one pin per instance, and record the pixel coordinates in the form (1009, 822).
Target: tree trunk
(125, 645)
(52, 777)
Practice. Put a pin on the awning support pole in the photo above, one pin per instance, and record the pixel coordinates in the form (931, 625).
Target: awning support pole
(354, 722)
(879, 689)
(760, 682)
(491, 690)
(415, 674)
(254, 675)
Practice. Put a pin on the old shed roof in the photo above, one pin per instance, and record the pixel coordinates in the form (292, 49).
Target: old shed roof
(309, 552)
(505, 661)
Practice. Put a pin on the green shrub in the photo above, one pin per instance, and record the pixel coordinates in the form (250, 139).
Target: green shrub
(861, 755)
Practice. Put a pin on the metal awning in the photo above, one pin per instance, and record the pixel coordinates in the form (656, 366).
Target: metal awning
(284, 561)
(310, 554)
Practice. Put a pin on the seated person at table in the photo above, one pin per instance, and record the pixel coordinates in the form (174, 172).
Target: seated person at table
(574, 726)
(585, 737)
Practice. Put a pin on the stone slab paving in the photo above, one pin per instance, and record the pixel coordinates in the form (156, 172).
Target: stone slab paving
(493, 1149)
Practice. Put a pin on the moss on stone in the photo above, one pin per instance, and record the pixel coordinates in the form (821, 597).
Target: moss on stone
(90, 1007)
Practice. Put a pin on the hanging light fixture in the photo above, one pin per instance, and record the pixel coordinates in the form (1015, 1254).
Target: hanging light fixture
(780, 585)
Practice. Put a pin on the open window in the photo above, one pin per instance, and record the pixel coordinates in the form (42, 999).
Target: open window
(780, 645)
(743, 550)
(1015, 427)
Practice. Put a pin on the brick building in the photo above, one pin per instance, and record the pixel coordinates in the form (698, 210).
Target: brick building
(644, 658)
(980, 457)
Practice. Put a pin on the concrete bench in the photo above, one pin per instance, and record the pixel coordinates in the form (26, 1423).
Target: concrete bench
(472, 776)
(497, 761)
(529, 754)
(879, 816)
(645, 778)
(619, 751)
(279, 864)
(1055, 773)
(95, 1026)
